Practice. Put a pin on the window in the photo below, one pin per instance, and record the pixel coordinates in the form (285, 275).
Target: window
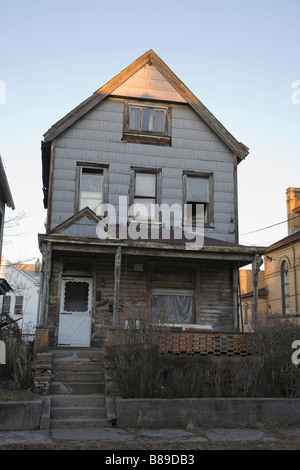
(285, 288)
(144, 205)
(91, 188)
(92, 184)
(19, 305)
(198, 198)
(147, 119)
(147, 124)
(173, 305)
(173, 293)
(6, 304)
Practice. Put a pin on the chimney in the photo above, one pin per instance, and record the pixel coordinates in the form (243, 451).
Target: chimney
(293, 209)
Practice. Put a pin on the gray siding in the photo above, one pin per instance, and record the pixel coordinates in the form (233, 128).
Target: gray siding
(97, 137)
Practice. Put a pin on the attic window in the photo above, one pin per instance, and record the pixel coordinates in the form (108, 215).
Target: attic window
(147, 124)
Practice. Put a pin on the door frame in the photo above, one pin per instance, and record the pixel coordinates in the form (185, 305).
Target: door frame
(86, 317)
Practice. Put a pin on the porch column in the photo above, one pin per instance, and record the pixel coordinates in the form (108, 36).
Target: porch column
(45, 284)
(255, 272)
(117, 286)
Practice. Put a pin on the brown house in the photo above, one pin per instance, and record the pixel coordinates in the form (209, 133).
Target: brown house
(140, 143)
(283, 263)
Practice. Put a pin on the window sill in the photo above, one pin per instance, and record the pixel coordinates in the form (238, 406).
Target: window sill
(146, 139)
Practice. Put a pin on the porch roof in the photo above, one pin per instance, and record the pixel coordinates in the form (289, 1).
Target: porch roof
(171, 247)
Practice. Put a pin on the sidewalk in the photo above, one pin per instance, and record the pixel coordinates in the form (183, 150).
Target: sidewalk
(153, 436)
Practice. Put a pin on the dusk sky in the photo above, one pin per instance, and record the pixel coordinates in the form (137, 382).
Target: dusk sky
(241, 59)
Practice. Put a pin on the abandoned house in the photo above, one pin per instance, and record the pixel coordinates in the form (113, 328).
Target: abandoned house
(141, 141)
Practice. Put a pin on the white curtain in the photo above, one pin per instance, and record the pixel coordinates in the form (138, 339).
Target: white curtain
(178, 305)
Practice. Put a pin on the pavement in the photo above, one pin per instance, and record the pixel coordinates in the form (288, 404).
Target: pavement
(114, 434)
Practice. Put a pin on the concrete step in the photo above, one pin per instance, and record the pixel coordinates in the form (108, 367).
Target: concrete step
(77, 387)
(79, 423)
(86, 366)
(76, 413)
(90, 400)
(77, 376)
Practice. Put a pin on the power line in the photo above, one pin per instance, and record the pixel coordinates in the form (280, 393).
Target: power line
(269, 226)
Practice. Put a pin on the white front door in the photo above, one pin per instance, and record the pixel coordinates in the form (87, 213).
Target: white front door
(75, 312)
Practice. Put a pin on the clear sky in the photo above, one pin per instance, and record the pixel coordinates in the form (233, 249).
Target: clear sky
(241, 59)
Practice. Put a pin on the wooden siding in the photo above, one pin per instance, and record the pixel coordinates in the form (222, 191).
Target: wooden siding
(213, 291)
(148, 83)
(97, 137)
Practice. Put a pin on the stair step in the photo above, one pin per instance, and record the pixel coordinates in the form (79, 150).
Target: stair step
(77, 376)
(78, 412)
(72, 400)
(85, 366)
(77, 387)
(78, 423)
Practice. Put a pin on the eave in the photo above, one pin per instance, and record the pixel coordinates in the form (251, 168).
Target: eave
(240, 254)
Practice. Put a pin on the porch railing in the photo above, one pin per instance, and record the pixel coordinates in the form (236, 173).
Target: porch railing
(201, 343)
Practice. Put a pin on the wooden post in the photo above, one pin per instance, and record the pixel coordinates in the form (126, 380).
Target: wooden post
(235, 298)
(255, 271)
(44, 305)
(117, 286)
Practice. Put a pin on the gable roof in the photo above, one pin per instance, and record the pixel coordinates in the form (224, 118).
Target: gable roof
(149, 57)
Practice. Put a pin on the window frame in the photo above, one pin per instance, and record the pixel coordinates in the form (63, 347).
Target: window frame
(209, 222)
(133, 196)
(152, 137)
(18, 305)
(285, 282)
(80, 167)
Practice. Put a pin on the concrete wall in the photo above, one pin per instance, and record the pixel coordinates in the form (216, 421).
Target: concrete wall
(20, 415)
(168, 413)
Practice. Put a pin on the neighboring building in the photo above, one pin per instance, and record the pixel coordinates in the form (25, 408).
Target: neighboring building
(5, 200)
(20, 305)
(145, 137)
(247, 299)
(282, 263)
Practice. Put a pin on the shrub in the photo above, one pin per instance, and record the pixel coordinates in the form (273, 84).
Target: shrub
(141, 371)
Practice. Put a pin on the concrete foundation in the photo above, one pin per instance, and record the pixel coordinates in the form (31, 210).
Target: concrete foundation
(171, 413)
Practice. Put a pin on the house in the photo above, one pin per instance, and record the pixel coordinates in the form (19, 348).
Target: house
(282, 264)
(140, 187)
(6, 199)
(20, 305)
